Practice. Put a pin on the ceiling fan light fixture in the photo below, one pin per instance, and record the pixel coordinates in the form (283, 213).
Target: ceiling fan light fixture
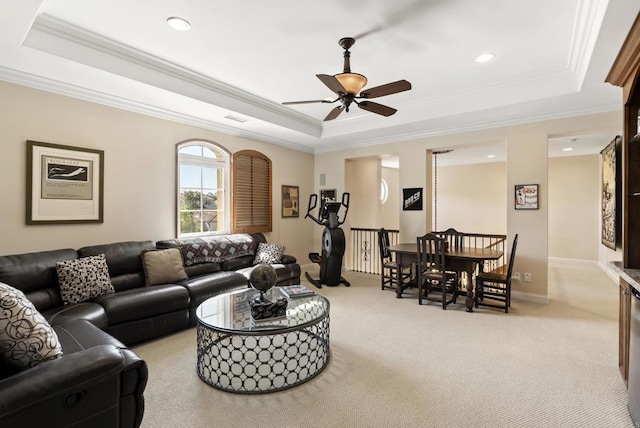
(352, 82)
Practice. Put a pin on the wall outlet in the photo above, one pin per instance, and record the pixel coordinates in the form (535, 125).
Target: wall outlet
(527, 277)
(516, 276)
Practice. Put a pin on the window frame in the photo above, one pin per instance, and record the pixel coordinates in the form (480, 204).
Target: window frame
(202, 161)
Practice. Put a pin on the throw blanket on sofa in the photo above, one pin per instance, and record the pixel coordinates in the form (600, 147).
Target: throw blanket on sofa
(217, 248)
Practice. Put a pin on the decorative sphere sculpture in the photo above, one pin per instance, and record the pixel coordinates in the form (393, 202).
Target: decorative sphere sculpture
(263, 277)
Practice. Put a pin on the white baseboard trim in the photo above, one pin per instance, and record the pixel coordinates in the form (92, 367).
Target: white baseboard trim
(558, 262)
(534, 298)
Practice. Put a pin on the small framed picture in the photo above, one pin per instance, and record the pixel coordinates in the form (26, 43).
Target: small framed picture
(526, 196)
(290, 201)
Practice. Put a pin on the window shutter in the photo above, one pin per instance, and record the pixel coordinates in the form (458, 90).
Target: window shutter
(251, 192)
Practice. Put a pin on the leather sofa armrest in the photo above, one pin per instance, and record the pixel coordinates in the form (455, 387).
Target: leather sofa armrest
(287, 259)
(30, 395)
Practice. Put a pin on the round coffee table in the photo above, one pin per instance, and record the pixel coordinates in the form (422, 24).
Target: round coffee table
(238, 354)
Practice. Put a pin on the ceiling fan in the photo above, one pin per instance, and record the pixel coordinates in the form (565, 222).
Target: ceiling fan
(346, 86)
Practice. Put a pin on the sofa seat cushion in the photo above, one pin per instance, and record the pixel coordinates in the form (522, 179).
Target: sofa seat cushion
(140, 303)
(204, 287)
(26, 338)
(92, 312)
(78, 335)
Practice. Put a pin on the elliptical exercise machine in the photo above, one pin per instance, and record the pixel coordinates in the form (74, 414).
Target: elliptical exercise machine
(333, 242)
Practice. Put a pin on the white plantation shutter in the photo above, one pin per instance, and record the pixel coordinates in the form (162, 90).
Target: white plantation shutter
(251, 192)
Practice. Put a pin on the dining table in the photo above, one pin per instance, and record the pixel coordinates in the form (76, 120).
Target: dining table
(464, 259)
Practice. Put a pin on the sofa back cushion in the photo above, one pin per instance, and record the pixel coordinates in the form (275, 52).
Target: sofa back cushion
(123, 260)
(35, 275)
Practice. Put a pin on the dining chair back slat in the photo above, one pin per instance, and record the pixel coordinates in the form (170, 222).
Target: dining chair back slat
(493, 288)
(432, 275)
(392, 273)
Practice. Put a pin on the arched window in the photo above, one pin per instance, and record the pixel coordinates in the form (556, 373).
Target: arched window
(203, 189)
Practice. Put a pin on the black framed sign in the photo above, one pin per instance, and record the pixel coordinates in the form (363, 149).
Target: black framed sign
(526, 196)
(64, 184)
(412, 199)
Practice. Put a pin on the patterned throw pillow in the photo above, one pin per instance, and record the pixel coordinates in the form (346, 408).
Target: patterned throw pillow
(26, 338)
(163, 266)
(268, 253)
(84, 279)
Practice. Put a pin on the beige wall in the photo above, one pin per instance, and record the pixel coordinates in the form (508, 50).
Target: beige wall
(139, 183)
(574, 200)
(472, 198)
(526, 164)
(390, 210)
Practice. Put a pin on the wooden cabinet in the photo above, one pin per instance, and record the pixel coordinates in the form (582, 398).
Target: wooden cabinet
(624, 330)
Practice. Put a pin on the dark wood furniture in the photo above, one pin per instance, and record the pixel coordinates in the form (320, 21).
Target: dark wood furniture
(625, 73)
(495, 286)
(454, 241)
(391, 272)
(468, 259)
(431, 272)
(624, 331)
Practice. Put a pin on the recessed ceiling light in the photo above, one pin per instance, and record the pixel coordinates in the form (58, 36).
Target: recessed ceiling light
(179, 24)
(567, 149)
(491, 156)
(485, 57)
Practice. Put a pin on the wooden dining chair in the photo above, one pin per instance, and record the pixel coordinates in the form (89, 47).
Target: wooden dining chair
(454, 240)
(431, 274)
(392, 273)
(495, 286)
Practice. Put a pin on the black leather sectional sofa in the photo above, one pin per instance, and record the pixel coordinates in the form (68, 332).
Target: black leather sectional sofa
(99, 381)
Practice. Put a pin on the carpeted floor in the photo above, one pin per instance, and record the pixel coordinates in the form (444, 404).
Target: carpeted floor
(397, 364)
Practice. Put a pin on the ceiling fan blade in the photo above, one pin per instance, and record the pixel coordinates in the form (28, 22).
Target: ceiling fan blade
(376, 108)
(308, 102)
(334, 113)
(332, 83)
(388, 89)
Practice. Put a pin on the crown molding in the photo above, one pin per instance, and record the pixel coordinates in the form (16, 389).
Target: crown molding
(74, 91)
(470, 127)
(627, 63)
(56, 36)
(587, 24)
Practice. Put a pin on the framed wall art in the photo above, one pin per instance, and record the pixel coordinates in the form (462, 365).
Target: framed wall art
(526, 196)
(610, 193)
(412, 199)
(290, 201)
(64, 184)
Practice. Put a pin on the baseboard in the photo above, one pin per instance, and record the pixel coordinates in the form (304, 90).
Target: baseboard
(558, 262)
(534, 298)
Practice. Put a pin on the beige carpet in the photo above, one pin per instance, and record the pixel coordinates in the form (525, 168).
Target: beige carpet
(397, 364)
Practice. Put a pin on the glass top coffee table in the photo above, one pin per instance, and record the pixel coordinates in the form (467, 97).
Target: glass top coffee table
(238, 354)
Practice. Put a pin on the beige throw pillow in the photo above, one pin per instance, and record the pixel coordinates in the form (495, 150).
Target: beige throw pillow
(163, 266)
